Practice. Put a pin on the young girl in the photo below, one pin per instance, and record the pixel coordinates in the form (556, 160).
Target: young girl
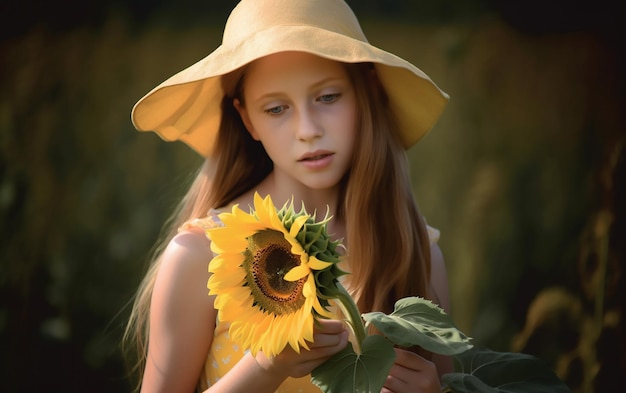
(295, 103)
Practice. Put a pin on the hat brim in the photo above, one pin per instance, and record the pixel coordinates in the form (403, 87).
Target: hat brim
(187, 106)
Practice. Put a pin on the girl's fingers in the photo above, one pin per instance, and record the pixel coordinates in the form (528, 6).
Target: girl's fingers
(395, 383)
(412, 373)
(329, 333)
(329, 326)
(329, 338)
(321, 340)
(412, 361)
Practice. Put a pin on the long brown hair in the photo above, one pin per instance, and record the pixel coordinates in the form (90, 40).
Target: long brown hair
(388, 243)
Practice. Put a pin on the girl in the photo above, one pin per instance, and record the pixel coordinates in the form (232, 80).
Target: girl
(294, 103)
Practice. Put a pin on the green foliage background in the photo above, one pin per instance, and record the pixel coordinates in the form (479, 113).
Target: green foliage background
(524, 176)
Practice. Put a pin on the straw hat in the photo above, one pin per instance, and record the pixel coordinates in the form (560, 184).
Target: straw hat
(187, 106)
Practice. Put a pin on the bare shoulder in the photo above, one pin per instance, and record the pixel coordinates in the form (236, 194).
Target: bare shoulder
(189, 246)
(183, 273)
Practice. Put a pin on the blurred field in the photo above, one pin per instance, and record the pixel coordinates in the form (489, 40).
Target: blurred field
(524, 176)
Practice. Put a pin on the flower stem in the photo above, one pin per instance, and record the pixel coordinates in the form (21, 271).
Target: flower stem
(351, 312)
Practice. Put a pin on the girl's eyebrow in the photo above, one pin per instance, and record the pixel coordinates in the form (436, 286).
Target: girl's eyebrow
(327, 80)
(315, 85)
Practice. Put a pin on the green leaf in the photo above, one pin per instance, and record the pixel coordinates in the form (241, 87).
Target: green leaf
(417, 321)
(483, 370)
(349, 372)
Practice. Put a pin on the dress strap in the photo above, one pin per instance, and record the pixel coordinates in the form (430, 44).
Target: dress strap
(433, 234)
(211, 220)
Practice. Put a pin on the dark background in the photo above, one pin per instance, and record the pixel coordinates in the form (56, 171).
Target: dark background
(524, 175)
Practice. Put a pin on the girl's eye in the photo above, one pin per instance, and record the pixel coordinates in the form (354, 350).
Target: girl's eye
(275, 110)
(328, 98)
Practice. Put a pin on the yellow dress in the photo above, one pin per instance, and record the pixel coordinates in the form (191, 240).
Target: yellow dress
(224, 353)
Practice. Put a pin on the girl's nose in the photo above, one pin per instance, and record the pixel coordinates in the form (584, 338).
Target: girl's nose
(307, 126)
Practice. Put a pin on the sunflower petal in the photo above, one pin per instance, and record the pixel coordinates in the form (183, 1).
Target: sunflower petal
(263, 210)
(316, 264)
(306, 329)
(224, 240)
(297, 273)
(309, 290)
(226, 280)
(297, 225)
(317, 306)
(225, 261)
(297, 249)
(239, 216)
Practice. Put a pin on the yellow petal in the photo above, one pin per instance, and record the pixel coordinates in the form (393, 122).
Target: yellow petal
(297, 249)
(306, 329)
(241, 221)
(294, 342)
(309, 290)
(297, 225)
(221, 241)
(226, 280)
(225, 305)
(316, 264)
(237, 297)
(225, 261)
(263, 209)
(317, 306)
(279, 330)
(297, 273)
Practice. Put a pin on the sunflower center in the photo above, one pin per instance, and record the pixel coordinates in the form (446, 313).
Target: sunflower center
(267, 259)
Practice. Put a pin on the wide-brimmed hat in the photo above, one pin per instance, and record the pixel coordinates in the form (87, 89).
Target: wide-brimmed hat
(187, 106)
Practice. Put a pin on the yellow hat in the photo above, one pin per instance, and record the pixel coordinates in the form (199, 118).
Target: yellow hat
(187, 106)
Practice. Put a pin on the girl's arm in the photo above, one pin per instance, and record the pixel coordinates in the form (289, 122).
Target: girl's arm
(182, 317)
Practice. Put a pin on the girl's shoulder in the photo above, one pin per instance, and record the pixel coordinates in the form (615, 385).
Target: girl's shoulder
(193, 235)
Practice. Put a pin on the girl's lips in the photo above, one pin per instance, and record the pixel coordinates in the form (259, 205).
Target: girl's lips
(314, 156)
(316, 160)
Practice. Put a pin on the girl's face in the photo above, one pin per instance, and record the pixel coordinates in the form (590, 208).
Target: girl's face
(303, 109)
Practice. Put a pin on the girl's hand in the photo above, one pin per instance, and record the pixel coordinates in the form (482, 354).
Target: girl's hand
(412, 373)
(330, 337)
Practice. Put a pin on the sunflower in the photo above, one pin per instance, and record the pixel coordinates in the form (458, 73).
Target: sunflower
(273, 274)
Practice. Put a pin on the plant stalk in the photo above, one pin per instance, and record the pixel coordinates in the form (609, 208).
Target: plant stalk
(351, 312)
